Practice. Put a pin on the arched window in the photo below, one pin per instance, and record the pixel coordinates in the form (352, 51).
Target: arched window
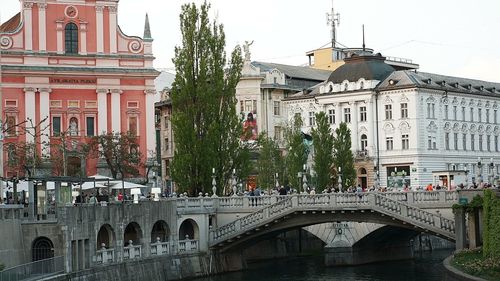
(73, 126)
(364, 142)
(71, 38)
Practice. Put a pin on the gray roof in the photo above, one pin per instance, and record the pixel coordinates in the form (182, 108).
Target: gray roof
(409, 79)
(367, 66)
(298, 72)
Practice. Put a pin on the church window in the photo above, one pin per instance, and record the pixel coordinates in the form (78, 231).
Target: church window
(71, 38)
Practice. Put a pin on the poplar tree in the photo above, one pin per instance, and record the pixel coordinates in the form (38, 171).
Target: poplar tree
(268, 163)
(206, 128)
(323, 150)
(297, 153)
(343, 157)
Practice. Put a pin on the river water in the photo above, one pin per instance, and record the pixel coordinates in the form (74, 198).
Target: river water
(424, 267)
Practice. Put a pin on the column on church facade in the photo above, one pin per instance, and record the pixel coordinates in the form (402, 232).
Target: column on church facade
(28, 25)
(59, 36)
(42, 29)
(45, 115)
(112, 29)
(29, 102)
(100, 28)
(83, 38)
(102, 108)
(115, 110)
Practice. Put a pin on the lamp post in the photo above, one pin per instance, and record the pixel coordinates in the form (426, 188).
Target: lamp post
(466, 176)
(340, 179)
(491, 171)
(277, 182)
(304, 179)
(479, 167)
(375, 169)
(299, 180)
(214, 184)
(235, 188)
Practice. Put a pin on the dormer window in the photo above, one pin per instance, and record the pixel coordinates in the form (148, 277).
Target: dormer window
(346, 86)
(71, 38)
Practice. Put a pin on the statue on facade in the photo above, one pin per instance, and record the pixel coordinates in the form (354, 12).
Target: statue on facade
(246, 49)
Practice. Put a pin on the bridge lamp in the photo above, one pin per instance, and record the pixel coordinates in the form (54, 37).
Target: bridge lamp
(299, 177)
(492, 171)
(479, 167)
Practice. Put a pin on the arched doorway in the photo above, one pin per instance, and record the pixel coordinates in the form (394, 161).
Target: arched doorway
(42, 249)
(189, 229)
(160, 231)
(132, 233)
(362, 178)
(105, 237)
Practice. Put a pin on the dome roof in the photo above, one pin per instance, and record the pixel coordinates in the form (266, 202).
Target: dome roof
(367, 66)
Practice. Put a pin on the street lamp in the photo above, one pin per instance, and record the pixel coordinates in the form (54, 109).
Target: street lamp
(491, 171)
(304, 180)
(277, 183)
(479, 167)
(235, 188)
(299, 178)
(340, 179)
(466, 176)
(214, 184)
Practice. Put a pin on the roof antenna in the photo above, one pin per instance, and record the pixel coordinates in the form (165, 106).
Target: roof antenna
(363, 38)
(332, 18)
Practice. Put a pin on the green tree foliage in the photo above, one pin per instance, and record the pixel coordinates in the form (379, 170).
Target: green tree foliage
(297, 154)
(491, 219)
(120, 151)
(206, 128)
(269, 162)
(323, 151)
(343, 157)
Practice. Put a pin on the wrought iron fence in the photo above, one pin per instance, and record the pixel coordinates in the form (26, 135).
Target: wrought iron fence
(34, 270)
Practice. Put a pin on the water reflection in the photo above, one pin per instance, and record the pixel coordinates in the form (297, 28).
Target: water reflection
(427, 266)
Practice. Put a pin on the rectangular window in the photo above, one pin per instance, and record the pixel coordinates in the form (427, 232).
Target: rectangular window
(447, 141)
(312, 118)
(428, 110)
(496, 143)
(479, 115)
(362, 114)
(455, 141)
(242, 108)
(254, 107)
(433, 110)
(446, 112)
(248, 106)
(388, 112)
(56, 126)
(132, 125)
(434, 145)
(495, 116)
(276, 108)
(331, 116)
(472, 114)
(463, 113)
(347, 115)
(404, 110)
(405, 142)
(480, 142)
(389, 143)
(488, 142)
(487, 115)
(455, 112)
(167, 144)
(464, 141)
(429, 142)
(472, 142)
(90, 127)
(277, 133)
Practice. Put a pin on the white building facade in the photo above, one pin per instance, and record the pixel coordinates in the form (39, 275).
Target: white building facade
(407, 127)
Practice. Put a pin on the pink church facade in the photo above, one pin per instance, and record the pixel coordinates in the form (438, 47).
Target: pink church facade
(67, 66)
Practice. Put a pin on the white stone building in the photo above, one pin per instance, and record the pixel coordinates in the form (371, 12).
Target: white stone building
(412, 127)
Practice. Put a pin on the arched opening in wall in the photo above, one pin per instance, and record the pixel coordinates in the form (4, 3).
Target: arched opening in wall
(133, 233)
(42, 249)
(71, 38)
(105, 237)
(189, 229)
(74, 166)
(362, 178)
(160, 232)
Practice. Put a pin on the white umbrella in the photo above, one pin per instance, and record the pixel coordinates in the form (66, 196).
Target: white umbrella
(117, 184)
(90, 185)
(100, 177)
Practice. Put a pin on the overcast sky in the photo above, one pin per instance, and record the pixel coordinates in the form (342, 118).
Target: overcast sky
(450, 37)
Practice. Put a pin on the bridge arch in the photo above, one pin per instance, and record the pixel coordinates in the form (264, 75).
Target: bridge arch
(132, 233)
(42, 248)
(189, 229)
(105, 237)
(160, 231)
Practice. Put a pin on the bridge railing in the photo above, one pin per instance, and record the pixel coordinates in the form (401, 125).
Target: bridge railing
(34, 270)
(188, 246)
(160, 248)
(104, 256)
(418, 198)
(132, 251)
(382, 201)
